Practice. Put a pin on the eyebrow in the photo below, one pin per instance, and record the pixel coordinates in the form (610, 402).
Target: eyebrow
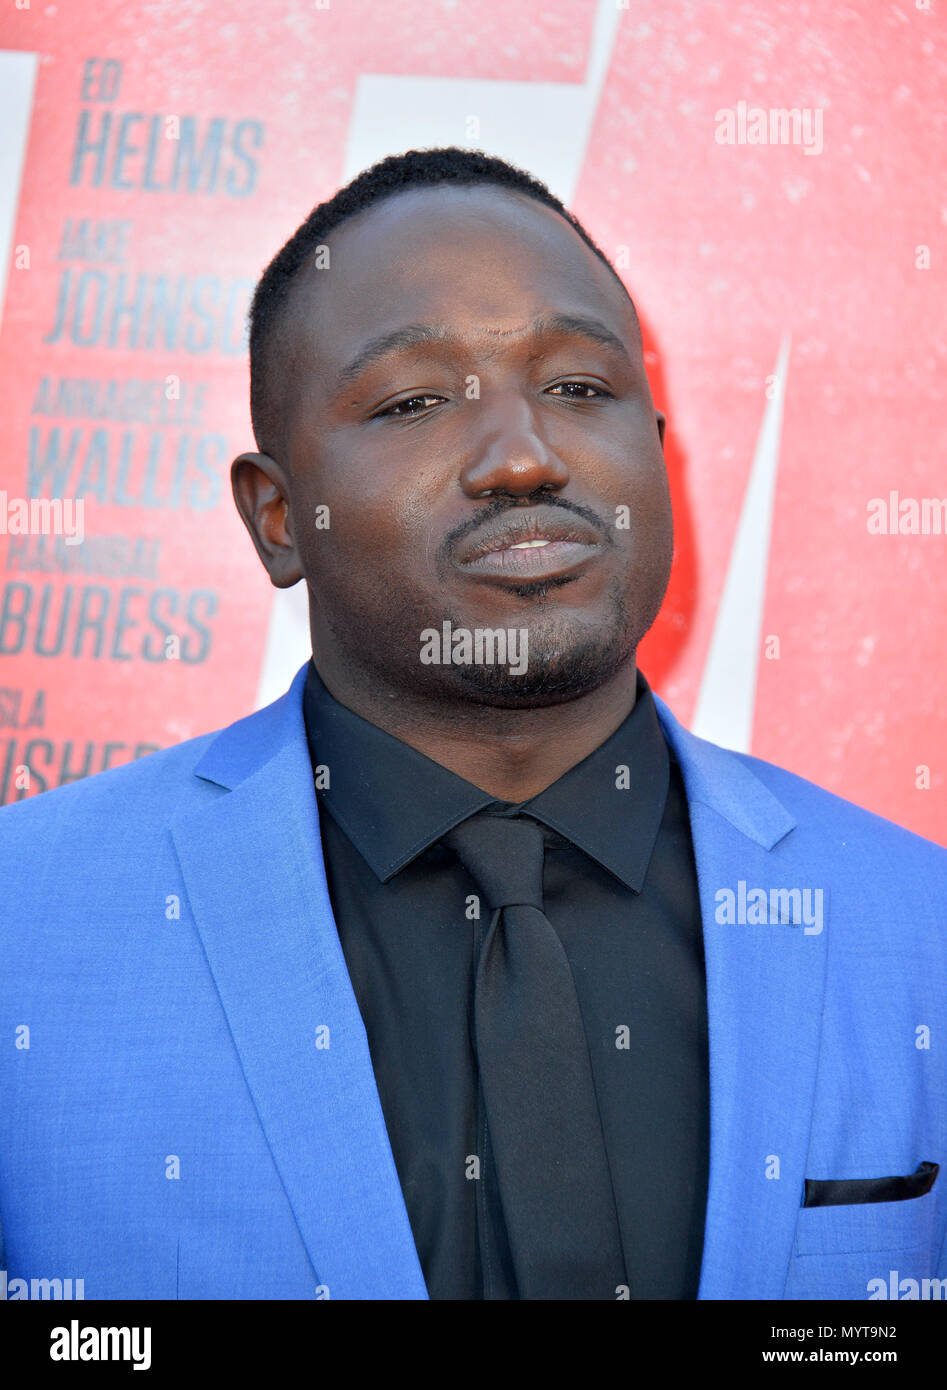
(415, 334)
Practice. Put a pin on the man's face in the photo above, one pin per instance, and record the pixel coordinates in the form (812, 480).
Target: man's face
(437, 459)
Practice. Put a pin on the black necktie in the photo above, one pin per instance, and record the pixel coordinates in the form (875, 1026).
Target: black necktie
(542, 1114)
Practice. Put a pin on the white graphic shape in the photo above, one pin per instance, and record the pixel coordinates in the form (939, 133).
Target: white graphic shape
(17, 80)
(727, 696)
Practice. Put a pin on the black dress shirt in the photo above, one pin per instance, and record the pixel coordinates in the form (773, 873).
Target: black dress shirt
(620, 889)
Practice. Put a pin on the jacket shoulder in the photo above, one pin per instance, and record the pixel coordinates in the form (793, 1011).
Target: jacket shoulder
(835, 818)
(152, 786)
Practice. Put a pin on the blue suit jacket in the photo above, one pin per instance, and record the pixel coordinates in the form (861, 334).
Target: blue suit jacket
(195, 1114)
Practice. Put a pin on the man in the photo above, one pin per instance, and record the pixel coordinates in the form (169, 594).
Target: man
(463, 970)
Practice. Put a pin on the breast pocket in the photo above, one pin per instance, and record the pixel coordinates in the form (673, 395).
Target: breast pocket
(870, 1250)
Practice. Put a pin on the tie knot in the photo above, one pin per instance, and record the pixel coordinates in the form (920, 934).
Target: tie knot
(504, 856)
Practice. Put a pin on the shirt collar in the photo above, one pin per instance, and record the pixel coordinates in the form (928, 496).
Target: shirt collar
(394, 802)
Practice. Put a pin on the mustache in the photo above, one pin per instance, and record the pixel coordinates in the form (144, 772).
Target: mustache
(499, 506)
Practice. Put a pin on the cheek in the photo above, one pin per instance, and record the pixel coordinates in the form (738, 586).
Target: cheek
(374, 535)
(635, 499)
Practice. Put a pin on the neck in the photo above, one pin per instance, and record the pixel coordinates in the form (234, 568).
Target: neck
(511, 753)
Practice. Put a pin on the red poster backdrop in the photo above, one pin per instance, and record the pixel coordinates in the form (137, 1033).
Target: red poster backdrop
(172, 149)
(733, 247)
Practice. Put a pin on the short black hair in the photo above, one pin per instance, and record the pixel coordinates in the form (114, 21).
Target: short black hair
(394, 174)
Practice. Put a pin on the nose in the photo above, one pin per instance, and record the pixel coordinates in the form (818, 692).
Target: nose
(511, 457)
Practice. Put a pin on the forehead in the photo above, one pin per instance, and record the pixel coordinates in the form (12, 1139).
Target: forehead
(478, 258)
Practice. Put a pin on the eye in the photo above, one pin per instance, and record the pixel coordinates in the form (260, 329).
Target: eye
(400, 408)
(582, 386)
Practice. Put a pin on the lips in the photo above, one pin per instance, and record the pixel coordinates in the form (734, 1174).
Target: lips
(538, 544)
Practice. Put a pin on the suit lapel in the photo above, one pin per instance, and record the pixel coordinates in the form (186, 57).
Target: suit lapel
(252, 863)
(765, 985)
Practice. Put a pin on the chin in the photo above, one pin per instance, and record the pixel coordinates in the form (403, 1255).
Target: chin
(553, 675)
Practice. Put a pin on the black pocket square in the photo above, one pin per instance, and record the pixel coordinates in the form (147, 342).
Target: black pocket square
(840, 1192)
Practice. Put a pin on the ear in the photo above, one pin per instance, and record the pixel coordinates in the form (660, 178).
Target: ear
(661, 424)
(261, 492)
